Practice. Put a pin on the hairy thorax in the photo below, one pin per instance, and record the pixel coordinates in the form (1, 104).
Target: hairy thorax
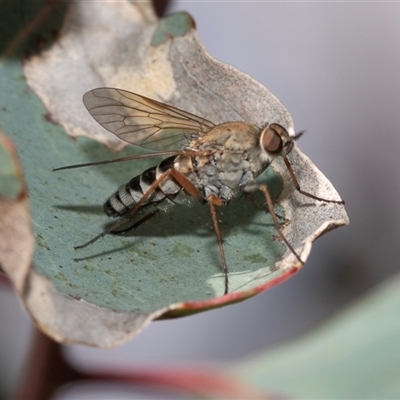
(234, 160)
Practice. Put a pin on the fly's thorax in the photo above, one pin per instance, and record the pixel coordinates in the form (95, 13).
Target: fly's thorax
(229, 136)
(238, 142)
(234, 159)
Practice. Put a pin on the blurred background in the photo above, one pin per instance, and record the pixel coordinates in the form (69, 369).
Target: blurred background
(336, 67)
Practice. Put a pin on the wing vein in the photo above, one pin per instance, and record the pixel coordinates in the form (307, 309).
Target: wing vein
(142, 121)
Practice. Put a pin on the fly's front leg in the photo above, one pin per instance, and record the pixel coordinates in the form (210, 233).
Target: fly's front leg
(297, 186)
(212, 202)
(264, 188)
(179, 178)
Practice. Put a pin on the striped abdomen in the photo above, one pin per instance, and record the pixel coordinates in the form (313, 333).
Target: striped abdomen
(127, 195)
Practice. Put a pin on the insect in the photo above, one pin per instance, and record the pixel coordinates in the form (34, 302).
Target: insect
(210, 163)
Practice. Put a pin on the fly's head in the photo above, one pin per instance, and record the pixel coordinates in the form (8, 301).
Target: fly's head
(275, 141)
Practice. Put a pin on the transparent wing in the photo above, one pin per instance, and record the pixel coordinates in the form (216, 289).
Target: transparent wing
(142, 121)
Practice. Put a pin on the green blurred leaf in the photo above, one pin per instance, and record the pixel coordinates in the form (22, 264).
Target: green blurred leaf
(355, 355)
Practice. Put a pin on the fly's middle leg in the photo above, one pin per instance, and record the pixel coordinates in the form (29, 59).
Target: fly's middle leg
(263, 207)
(264, 189)
(212, 202)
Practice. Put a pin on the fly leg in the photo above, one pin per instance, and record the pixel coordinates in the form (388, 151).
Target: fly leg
(171, 173)
(270, 204)
(212, 202)
(136, 224)
(264, 188)
(297, 186)
(262, 207)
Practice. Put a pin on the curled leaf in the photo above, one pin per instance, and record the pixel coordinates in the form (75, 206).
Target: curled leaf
(107, 293)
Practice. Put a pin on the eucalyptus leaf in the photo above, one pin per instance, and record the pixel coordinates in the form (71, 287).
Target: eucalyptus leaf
(170, 266)
(16, 236)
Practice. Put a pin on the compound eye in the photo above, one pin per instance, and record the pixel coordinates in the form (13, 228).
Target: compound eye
(271, 140)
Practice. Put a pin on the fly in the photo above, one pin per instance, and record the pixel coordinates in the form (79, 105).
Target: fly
(210, 163)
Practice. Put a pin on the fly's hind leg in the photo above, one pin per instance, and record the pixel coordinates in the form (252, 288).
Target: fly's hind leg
(136, 224)
(171, 173)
